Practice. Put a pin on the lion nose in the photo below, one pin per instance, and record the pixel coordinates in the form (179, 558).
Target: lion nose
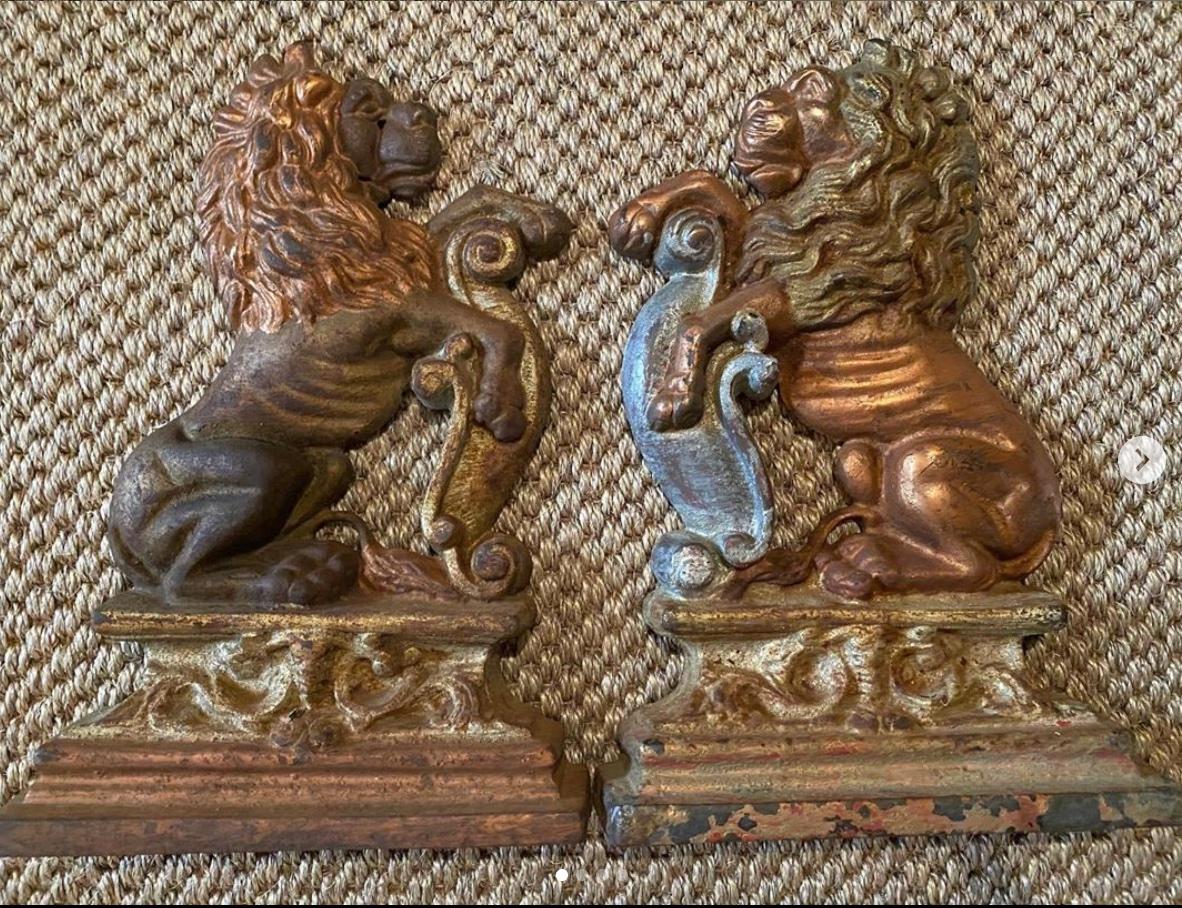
(411, 115)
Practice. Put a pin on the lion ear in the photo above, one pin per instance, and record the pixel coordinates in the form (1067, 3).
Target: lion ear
(313, 88)
(262, 147)
(932, 82)
(814, 84)
(952, 108)
(362, 93)
(880, 52)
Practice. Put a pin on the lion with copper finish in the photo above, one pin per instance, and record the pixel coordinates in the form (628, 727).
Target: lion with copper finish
(859, 260)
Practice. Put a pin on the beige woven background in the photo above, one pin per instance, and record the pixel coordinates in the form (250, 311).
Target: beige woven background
(110, 329)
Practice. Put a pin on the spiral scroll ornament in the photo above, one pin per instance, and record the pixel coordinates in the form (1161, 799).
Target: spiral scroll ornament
(488, 240)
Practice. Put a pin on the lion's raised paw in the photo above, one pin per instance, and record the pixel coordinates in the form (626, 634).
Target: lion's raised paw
(501, 412)
(633, 230)
(676, 405)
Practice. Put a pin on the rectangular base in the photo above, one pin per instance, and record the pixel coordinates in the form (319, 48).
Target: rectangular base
(1060, 776)
(800, 715)
(90, 799)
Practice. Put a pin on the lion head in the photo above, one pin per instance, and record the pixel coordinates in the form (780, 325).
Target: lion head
(870, 176)
(290, 192)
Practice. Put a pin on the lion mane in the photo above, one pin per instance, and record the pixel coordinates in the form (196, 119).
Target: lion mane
(288, 229)
(894, 226)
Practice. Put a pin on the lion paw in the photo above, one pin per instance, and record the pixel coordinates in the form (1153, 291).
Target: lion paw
(634, 229)
(501, 414)
(857, 566)
(318, 572)
(843, 579)
(545, 230)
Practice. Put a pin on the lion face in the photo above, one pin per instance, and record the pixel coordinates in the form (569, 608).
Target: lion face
(784, 132)
(869, 175)
(394, 144)
(289, 194)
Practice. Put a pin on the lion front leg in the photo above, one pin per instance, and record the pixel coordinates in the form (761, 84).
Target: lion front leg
(500, 396)
(679, 399)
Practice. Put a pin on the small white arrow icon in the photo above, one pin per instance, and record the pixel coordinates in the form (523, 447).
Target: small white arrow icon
(1142, 460)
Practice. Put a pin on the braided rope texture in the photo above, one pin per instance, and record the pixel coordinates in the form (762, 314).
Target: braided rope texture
(110, 328)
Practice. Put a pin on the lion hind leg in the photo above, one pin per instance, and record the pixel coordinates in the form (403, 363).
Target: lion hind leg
(862, 564)
(211, 518)
(949, 511)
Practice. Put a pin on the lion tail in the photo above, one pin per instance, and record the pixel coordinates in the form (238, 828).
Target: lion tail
(830, 522)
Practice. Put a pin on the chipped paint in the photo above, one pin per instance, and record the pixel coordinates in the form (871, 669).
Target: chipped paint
(711, 823)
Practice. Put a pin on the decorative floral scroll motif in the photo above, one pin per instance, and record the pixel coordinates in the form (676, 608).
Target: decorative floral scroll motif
(866, 678)
(815, 679)
(302, 692)
(937, 677)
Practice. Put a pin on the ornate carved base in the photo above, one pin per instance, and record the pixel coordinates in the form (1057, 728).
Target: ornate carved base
(800, 715)
(377, 722)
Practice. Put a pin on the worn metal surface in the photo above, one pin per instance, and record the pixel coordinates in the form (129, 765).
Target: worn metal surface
(767, 610)
(233, 797)
(307, 692)
(711, 473)
(376, 724)
(873, 683)
(138, 616)
(857, 261)
(863, 720)
(709, 824)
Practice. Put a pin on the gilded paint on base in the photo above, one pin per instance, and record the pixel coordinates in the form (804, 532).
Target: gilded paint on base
(382, 724)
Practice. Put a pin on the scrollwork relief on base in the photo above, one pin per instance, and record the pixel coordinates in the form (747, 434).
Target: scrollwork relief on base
(303, 693)
(866, 679)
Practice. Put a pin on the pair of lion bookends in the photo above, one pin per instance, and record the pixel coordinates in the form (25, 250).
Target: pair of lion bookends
(307, 687)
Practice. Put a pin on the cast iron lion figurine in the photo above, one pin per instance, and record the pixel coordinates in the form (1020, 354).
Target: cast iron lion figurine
(333, 302)
(859, 261)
